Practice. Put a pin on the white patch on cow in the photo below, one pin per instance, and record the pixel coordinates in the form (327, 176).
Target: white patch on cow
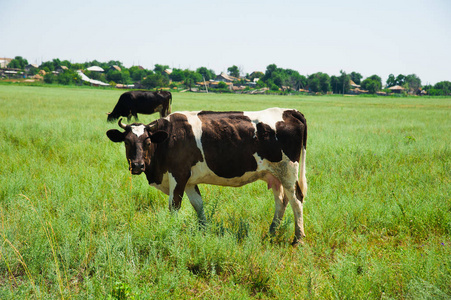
(268, 116)
(196, 125)
(138, 130)
(172, 184)
(164, 186)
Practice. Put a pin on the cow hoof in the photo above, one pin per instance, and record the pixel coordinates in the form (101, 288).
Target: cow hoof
(296, 242)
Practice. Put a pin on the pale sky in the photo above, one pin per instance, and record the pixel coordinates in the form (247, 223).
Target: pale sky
(369, 37)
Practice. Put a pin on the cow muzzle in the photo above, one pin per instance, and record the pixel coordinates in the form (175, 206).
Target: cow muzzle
(137, 168)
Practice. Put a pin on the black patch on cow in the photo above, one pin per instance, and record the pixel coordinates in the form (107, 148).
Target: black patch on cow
(177, 154)
(228, 143)
(268, 146)
(291, 133)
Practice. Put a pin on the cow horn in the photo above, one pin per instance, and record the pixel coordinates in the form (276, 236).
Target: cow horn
(121, 125)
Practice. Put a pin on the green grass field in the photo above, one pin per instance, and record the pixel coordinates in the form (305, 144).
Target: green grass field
(76, 225)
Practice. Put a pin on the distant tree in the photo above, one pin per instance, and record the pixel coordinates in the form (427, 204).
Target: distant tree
(344, 82)
(118, 76)
(400, 79)
(222, 85)
(391, 80)
(18, 63)
(177, 75)
(68, 77)
(49, 78)
(341, 84)
(356, 77)
(137, 73)
(256, 75)
(234, 71)
(372, 84)
(207, 74)
(295, 80)
(66, 63)
(274, 87)
(76, 66)
(269, 70)
(159, 69)
(51, 65)
(191, 78)
(413, 82)
(314, 82)
(154, 81)
(335, 84)
(444, 87)
(324, 82)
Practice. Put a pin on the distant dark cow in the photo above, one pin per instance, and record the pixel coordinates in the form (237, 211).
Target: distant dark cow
(222, 148)
(143, 102)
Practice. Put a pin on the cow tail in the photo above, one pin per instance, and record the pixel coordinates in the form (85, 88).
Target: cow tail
(170, 103)
(301, 184)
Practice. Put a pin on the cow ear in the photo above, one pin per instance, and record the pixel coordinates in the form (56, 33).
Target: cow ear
(115, 135)
(159, 137)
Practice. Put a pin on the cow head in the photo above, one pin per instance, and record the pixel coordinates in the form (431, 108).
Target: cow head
(139, 140)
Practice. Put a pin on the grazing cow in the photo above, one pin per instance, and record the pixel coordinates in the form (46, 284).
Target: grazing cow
(185, 149)
(143, 102)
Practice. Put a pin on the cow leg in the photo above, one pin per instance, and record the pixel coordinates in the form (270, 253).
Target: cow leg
(196, 201)
(297, 206)
(176, 190)
(280, 202)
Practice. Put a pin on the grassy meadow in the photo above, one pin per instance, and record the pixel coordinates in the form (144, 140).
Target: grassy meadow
(76, 225)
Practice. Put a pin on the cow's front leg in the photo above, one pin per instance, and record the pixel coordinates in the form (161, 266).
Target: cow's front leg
(196, 201)
(280, 201)
(176, 190)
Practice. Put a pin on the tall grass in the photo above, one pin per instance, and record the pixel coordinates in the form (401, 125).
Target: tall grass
(76, 224)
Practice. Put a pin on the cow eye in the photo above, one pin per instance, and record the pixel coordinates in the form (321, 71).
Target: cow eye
(147, 143)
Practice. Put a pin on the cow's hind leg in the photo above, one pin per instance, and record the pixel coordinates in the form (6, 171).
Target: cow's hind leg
(297, 206)
(193, 193)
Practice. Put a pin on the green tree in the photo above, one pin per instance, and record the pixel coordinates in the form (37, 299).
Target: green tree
(49, 78)
(391, 80)
(444, 86)
(324, 82)
(191, 78)
(222, 85)
(314, 83)
(118, 76)
(177, 75)
(18, 63)
(159, 69)
(400, 79)
(68, 77)
(344, 82)
(234, 71)
(207, 74)
(372, 84)
(356, 77)
(154, 81)
(137, 73)
(254, 75)
(413, 82)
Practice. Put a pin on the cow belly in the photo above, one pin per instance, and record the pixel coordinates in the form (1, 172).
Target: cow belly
(201, 174)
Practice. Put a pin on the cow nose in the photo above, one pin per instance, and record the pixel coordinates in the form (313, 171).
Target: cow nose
(137, 167)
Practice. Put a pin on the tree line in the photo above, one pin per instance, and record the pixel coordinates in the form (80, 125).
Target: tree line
(274, 78)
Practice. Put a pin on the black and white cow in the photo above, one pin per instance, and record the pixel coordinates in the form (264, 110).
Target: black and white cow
(132, 103)
(222, 148)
